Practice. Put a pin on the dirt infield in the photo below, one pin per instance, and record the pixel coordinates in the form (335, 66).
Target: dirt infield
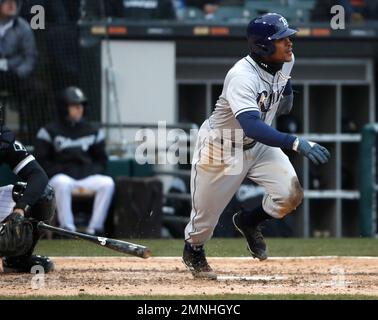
(167, 276)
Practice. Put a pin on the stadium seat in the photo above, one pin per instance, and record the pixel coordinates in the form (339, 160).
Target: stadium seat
(193, 13)
(261, 7)
(295, 10)
(304, 4)
(232, 13)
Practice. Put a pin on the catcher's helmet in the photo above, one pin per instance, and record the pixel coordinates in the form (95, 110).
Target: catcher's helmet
(262, 30)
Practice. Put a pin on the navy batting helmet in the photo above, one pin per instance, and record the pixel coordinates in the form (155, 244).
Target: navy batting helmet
(263, 30)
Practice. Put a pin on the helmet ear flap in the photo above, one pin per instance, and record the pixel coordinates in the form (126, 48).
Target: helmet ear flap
(261, 49)
(264, 49)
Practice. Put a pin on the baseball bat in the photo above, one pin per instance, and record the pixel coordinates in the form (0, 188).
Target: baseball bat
(113, 244)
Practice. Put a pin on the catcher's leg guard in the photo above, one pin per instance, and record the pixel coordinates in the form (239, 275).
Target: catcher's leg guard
(25, 264)
(43, 210)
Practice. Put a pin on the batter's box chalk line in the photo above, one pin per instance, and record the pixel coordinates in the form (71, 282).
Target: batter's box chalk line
(251, 278)
(214, 258)
(334, 284)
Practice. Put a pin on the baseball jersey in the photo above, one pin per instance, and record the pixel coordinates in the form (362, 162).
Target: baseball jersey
(247, 87)
(16, 156)
(77, 150)
(22, 164)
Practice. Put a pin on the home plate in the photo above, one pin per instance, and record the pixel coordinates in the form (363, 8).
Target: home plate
(251, 278)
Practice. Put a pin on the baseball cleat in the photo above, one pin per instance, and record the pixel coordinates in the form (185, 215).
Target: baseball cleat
(255, 240)
(25, 264)
(195, 260)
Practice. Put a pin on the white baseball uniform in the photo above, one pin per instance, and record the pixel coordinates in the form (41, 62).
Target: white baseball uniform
(102, 185)
(6, 202)
(217, 171)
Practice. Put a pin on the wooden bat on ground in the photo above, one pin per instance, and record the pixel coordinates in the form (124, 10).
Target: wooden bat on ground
(116, 245)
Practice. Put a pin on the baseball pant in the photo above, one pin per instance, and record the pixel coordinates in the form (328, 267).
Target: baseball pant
(6, 202)
(102, 185)
(213, 186)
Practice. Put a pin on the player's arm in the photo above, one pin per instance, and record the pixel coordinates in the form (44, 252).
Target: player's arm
(242, 96)
(258, 130)
(98, 152)
(286, 102)
(27, 168)
(45, 153)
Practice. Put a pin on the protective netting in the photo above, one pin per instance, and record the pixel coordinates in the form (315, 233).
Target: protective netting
(64, 59)
(56, 62)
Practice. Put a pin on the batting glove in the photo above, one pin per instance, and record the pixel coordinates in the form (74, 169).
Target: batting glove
(313, 151)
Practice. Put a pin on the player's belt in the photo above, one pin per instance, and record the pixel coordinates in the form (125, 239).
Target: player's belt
(249, 145)
(246, 147)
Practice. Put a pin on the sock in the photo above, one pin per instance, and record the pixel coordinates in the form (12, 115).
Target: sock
(255, 217)
(193, 247)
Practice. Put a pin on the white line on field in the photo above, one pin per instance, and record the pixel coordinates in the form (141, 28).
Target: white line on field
(281, 258)
(219, 258)
(251, 278)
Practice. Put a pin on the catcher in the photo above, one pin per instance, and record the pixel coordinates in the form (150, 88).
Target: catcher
(22, 206)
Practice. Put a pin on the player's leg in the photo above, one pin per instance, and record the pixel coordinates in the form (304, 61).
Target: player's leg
(43, 210)
(6, 202)
(212, 188)
(273, 171)
(63, 186)
(104, 188)
(276, 174)
(209, 198)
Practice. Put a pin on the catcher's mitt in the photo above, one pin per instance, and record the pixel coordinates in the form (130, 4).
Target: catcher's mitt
(16, 236)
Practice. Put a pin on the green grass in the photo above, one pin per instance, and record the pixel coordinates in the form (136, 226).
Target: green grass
(223, 247)
(215, 297)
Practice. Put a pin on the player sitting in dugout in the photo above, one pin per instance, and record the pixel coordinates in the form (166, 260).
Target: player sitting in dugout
(23, 205)
(72, 151)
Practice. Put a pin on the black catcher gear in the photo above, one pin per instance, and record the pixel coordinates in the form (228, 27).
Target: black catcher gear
(44, 209)
(16, 236)
(25, 264)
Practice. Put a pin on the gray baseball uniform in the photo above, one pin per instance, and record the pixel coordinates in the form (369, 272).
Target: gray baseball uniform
(224, 156)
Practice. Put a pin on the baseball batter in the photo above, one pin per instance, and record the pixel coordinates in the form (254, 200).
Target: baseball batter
(237, 141)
